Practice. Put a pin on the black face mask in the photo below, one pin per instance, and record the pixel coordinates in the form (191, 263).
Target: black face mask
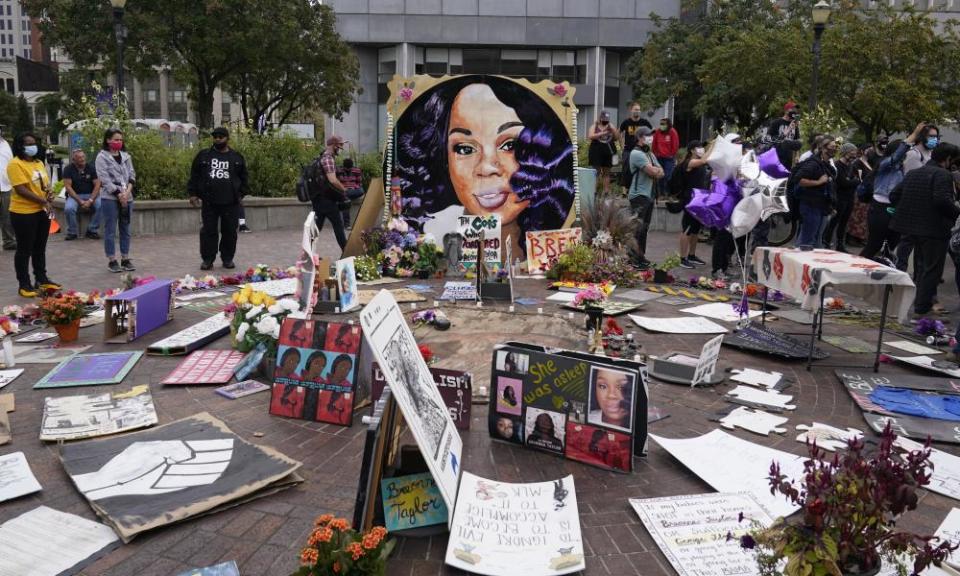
(221, 145)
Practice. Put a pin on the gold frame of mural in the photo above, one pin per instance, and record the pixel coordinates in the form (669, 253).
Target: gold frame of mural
(561, 104)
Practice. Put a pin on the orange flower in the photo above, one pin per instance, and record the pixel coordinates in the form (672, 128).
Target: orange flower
(308, 556)
(373, 538)
(323, 519)
(336, 567)
(319, 535)
(355, 550)
(339, 524)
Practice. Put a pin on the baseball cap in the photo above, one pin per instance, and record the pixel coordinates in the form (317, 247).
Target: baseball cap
(605, 115)
(644, 131)
(847, 148)
(220, 131)
(336, 141)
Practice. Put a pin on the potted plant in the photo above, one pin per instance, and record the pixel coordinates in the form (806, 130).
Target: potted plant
(335, 548)
(849, 506)
(591, 301)
(63, 312)
(428, 260)
(661, 271)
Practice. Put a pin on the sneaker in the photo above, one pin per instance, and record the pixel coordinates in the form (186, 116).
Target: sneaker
(229, 264)
(48, 284)
(695, 261)
(69, 237)
(685, 263)
(113, 266)
(93, 235)
(127, 265)
(644, 264)
(206, 265)
(28, 292)
(244, 229)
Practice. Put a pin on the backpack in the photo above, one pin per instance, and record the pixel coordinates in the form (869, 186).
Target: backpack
(312, 181)
(677, 190)
(626, 175)
(955, 238)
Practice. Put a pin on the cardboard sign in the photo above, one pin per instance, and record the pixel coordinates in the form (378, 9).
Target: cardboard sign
(132, 313)
(316, 370)
(90, 369)
(89, 416)
(205, 367)
(459, 291)
(189, 339)
(587, 408)
(501, 528)
(545, 246)
(455, 388)
(412, 502)
(347, 284)
(411, 385)
(707, 363)
(241, 389)
(471, 228)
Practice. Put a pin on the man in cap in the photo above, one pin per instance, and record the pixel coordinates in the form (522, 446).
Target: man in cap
(218, 181)
(327, 201)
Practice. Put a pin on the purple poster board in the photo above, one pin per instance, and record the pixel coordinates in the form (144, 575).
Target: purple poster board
(143, 308)
(90, 370)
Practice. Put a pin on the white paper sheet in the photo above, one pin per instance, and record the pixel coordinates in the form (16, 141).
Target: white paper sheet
(8, 376)
(199, 295)
(691, 531)
(921, 361)
(730, 464)
(762, 397)
(562, 297)
(757, 377)
(681, 325)
(950, 530)
(37, 337)
(946, 469)
(719, 311)
(276, 288)
(46, 542)
(912, 347)
(16, 479)
(502, 529)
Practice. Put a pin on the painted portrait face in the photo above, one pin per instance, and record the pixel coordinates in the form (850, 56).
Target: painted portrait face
(544, 425)
(341, 369)
(505, 428)
(290, 360)
(480, 152)
(316, 366)
(613, 393)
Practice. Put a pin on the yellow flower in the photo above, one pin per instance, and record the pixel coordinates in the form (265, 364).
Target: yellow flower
(256, 298)
(242, 300)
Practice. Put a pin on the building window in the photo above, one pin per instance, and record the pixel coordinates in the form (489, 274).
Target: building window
(10, 87)
(178, 96)
(387, 64)
(150, 95)
(612, 73)
(565, 66)
(519, 63)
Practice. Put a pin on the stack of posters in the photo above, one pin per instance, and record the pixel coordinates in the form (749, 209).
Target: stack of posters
(138, 482)
(90, 369)
(45, 541)
(205, 367)
(316, 371)
(587, 408)
(193, 337)
(89, 416)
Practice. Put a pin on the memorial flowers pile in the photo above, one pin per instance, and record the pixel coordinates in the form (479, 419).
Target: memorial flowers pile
(333, 548)
(62, 309)
(367, 267)
(849, 504)
(255, 318)
(400, 251)
(591, 297)
(930, 327)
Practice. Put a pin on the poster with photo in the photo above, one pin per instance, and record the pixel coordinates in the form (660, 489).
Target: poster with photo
(455, 388)
(316, 370)
(347, 284)
(89, 416)
(413, 389)
(588, 408)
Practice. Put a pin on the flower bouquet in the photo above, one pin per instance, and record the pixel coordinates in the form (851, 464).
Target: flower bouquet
(333, 548)
(63, 312)
(255, 318)
(591, 301)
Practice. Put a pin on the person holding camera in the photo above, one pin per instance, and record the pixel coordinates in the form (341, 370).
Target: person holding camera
(816, 196)
(784, 134)
(218, 182)
(328, 202)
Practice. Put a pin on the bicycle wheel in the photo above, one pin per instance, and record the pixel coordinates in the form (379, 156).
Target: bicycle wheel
(782, 229)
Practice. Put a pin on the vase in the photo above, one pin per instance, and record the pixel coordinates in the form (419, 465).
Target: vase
(660, 276)
(267, 365)
(423, 274)
(68, 332)
(594, 317)
(8, 359)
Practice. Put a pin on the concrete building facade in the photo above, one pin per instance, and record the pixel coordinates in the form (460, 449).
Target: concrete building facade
(586, 42)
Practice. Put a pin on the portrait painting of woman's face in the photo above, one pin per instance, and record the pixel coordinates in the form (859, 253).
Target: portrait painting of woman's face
(481, 145)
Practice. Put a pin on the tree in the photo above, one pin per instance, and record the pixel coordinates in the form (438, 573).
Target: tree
(23, 121)
(204, 43)
(8, 112)
(318, 69)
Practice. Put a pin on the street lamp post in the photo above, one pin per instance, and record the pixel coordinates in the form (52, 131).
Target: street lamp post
(821, 13)
(121, 31)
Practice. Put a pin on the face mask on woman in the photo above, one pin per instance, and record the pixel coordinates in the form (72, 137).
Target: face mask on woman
(116, 145)
(30, 150)
(932, 142)
(698, 152)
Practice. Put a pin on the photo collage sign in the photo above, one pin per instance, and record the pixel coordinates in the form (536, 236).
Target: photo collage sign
(316, 371)
(579, 406)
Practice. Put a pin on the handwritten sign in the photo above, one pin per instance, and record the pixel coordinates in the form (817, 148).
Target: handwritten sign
(471, 227)
(691, 531)
(707, 363)
(455, 389)
(545, 246)
(530, 529)
(412, 502)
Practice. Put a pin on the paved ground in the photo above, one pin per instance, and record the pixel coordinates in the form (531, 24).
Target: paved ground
(264, 536)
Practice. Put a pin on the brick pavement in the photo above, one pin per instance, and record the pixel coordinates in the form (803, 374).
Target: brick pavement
(264, 536)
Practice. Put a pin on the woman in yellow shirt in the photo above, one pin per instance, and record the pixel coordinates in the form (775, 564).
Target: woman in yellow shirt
(30, 213)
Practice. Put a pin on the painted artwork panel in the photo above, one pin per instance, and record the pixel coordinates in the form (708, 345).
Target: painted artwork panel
(412, 501)
(205, 367)
(90, 370)
(89, 416)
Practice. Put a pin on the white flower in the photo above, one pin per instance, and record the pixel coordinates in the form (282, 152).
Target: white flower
(276, 333)
(429, 238)
(289, 304)
(252, 313)
(297, 315)
(602, 238)
(242, 330)
(267, 325)
(275, 309)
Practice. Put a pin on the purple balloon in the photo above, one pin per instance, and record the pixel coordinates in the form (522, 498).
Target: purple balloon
(713, 208)
(771, 165)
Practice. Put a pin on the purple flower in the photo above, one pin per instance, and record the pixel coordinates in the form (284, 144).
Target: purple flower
(406, 94)
(742, 308)
(930, 327)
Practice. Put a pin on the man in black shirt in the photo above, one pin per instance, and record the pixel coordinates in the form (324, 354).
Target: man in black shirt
(218, 180)
(83, 193)
(628, 132)
(784, 134)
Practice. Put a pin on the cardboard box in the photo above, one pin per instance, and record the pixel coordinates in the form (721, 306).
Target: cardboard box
(135, 312)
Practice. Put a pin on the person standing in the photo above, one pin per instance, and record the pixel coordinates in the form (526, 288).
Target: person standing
(816, 193)
(666, 143)
(6, 191)
(696, 174)
(628, 137)
(326, 201)
(83, 193)
(31, 209)
(846, 186)
(917, 156)
(117, 176)
(352, 179)
(218, 183)
(784, 134)
(603, 147)
(644, 172)
(926, 210)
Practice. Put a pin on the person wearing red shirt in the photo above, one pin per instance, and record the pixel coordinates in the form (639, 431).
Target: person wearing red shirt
(666, 143)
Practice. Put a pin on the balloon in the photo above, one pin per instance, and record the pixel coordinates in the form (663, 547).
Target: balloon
(746, 215)
(713, 208)
(724, 159)
(749, 168)
(771, 165)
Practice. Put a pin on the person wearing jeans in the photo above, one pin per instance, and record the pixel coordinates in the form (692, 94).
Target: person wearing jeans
(816, 195)
(83, 191)
(326, 202)
(666, 143)
(6, 194)
(644, 170)
(115, 169)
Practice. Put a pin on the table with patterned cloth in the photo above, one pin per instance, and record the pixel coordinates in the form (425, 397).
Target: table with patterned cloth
(803, 274)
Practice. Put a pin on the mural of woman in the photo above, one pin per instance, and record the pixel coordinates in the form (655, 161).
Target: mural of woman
(335, 406)
(313, 373)
(483, 145)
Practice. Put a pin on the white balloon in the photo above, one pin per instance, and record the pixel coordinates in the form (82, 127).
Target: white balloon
(724, 159)
(746, 215)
